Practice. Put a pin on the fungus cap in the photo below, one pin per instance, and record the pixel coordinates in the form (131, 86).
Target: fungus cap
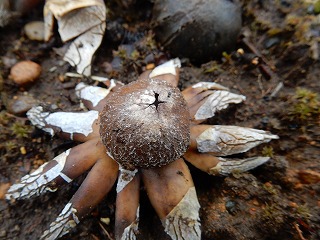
(145, 124)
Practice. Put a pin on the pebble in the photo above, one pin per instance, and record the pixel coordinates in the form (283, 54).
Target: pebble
(8, 62)
(35, 30)
(23, 150)
(19, 105)
(25, 73)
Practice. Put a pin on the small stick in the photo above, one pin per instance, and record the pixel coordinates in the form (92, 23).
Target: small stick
(105, 231)
(276, 90)
(296, 226)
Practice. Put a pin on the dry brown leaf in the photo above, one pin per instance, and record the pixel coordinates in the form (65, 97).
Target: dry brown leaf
(82, 22)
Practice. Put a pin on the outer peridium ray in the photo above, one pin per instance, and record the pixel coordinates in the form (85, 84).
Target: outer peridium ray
(208, 142)
(79, 126)
(179, 210)
(94, 97)
(127, 210)
(168, 72)
(94, 188)
(62, 169)
(205, 99)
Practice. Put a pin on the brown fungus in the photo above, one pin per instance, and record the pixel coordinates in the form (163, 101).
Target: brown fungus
(145, 124)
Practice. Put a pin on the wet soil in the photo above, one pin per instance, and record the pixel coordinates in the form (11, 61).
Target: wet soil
(279, 200)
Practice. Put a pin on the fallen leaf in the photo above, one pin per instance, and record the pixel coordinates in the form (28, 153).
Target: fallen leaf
(83, 22)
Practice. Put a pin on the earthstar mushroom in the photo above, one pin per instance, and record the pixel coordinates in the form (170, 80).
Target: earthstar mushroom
(148, 129)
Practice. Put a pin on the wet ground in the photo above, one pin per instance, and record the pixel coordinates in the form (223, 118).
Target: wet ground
(278, 71)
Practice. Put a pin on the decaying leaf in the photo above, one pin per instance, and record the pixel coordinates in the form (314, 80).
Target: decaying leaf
(83, 22)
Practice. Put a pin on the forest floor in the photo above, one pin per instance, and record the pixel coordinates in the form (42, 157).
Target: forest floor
(278, 72)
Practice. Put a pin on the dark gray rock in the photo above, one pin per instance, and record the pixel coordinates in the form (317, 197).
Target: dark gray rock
(195, 29)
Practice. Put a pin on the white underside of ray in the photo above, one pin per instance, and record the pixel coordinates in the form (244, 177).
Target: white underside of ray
(227, 140)
(37, 182)
(68, 122)
(217, 101)
(92, 93)
(166, 68)
(66, 220)
(183, 221)
(125, 177)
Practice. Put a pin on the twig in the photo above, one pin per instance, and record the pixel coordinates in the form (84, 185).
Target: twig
(105, 231)
(296, 226)
(276, 90)
(265, 68)
(257, 53)
(260, 84)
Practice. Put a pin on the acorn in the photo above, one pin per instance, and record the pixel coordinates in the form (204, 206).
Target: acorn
(145, 124)
(198, 30)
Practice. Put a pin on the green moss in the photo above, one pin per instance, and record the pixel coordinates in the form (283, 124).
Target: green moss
(267, 151)
(316, 7)
(305, 104)
(304, 211)
(4, 119)
(121, 52)
(270, 188)
(268, 210)
(10, 145)
(20, 130)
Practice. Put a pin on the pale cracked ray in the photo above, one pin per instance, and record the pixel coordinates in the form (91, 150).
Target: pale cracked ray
(66, 220)
(36, 183)
(209, 86)
(92, 93)
(227, 140)
(183, 221)
(68, 122)
(227, 166)
(129, 232)
(217, 101)
(125, 177)
(81, 20)
(166, 68)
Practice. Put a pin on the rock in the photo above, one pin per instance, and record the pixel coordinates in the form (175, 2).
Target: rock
(35, 30)
(199, 30)
(25, 73)
(20, 105)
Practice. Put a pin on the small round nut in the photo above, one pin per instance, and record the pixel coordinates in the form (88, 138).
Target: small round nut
(145, 124)
(24, 73)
